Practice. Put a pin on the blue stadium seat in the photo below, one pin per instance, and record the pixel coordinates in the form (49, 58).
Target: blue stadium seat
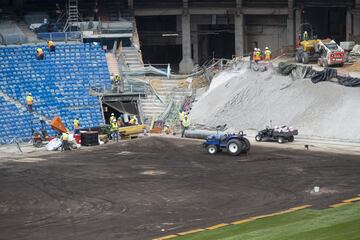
(59, 84)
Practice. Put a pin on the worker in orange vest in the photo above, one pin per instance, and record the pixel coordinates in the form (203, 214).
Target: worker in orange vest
(267, 54)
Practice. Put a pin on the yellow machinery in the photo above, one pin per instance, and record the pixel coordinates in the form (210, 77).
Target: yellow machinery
(131, 131)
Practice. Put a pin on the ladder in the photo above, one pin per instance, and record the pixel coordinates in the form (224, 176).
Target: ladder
(72, 12)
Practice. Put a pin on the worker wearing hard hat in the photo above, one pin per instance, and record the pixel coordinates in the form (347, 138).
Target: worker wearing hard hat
(267, 54)
(258, 55)
(114, 130)
(305, 35)
(65, 141)
(185, 125)
(39, 53)
(29, 102)
(112, 117)
(253, 54)
(76, 126)
(51, 46)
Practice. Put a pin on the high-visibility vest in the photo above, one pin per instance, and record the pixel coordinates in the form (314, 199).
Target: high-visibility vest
(39, 51)
(132, 121)
(117, 78)
(258, 55)
(76, 124)
(112, 119)
(65, 137)
(181, 115)
(186, 122)
(51, 43)
(267, 54)
(114, 126)
(29, 100)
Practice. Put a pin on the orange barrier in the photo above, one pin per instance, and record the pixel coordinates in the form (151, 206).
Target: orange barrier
(57, 124)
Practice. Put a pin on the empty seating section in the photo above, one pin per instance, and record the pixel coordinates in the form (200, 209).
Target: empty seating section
(12, 122)
(59, 84)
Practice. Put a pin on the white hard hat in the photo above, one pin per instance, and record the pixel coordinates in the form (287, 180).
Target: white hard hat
(266, 48)
(255, 49)
(112, 114)
(29, 93)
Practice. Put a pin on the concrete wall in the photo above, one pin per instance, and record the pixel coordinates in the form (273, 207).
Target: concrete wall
(265, 31)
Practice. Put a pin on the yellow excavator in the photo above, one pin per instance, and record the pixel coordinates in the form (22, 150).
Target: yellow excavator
(325, 52)
(305, 45)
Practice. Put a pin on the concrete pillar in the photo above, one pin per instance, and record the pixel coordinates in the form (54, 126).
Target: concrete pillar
(297, 22)
(131, 4)
(290, 23)
(239, 29)
(186, 64)
(348, 25)
(195, 44)
(239, 34)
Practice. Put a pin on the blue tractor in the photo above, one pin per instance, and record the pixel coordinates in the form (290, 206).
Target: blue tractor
(233, 143)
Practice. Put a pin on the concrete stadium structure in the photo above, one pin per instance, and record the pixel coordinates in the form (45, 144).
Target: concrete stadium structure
(188, 32)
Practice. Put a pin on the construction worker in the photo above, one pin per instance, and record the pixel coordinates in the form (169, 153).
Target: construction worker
(51, 46)
(267, 54)
(185, 124)
(258, 55)
(114, 130)
(305, 35)
(65, 141)
(112, 117)
(76, 126)
(39, 54)
(29, 102)
(117, 79)
(181, 116)
(120, 122)
(133, 120)
(254, 54)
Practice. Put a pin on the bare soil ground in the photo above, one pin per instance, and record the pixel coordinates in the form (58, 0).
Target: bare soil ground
(151, 187)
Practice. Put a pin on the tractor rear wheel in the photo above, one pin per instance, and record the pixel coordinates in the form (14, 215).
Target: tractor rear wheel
(246, 143)
(291, 139)
(212, 149)
(234, 147)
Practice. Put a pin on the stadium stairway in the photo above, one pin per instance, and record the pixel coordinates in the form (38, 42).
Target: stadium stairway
(59, 83)
(132, 58)
(167, 91)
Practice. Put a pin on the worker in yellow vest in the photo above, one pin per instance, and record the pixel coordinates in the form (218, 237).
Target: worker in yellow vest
(305, 36)
(112, 118)
(114, 131)
(181, 116)
(267, 54)
(76, 126)
(185, 125)
(39, 53)
(29, 102)
(51, 46)
(65, 141)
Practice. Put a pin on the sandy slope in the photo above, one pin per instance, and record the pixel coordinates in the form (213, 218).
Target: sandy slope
(245, 99)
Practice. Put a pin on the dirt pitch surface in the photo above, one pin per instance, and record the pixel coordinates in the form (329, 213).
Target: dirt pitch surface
(152, 187)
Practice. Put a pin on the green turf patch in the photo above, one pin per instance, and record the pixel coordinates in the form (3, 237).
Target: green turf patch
(330, 224)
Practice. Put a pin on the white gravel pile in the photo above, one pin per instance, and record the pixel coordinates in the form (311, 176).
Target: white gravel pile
(244, 99)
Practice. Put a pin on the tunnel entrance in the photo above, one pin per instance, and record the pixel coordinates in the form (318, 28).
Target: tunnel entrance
(160, 41)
